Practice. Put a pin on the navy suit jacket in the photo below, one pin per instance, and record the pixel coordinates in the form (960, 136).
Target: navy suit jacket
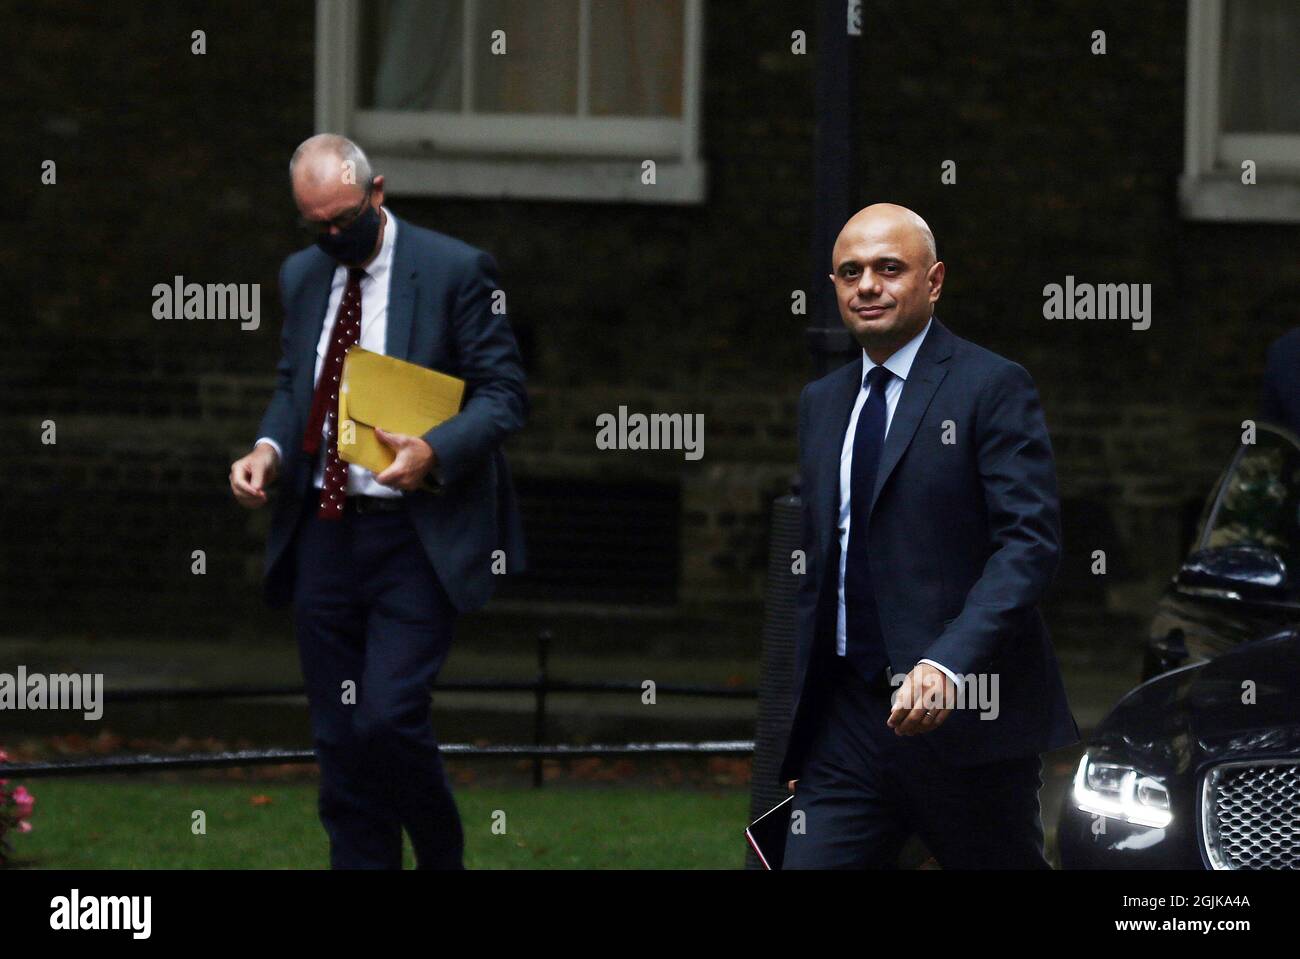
(440, 316)
(963, 540)
(1281, 401)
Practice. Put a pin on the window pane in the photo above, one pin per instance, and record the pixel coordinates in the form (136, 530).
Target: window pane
(411, 54)
(538, 73)
(1260, 83)
(636, 57)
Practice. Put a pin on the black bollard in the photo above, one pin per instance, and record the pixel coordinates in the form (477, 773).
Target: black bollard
(777, 667)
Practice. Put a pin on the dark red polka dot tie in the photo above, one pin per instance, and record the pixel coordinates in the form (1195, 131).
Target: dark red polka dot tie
(325, 401)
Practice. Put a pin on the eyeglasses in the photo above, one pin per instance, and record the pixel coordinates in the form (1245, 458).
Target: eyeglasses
(342, 221)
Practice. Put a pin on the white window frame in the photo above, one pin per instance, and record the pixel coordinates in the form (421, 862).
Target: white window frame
(1210, 187)
(533, 156)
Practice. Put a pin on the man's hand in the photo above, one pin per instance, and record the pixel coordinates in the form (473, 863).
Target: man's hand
(415, 458)
(920, 705)
(790, 784)
(250, 476)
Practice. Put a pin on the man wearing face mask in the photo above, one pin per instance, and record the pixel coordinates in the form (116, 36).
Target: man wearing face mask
(377, 566)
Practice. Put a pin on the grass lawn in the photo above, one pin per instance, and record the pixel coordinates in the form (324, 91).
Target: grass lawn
(115, 824)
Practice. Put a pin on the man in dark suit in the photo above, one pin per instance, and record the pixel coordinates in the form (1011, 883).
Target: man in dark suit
(378, 566)
(1281, 399)
(931, 531)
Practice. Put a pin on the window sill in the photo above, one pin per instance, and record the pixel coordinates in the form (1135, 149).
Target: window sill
(607, 181)
(1224, 198)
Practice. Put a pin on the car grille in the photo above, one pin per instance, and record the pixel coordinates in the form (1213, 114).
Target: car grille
(1250, 815)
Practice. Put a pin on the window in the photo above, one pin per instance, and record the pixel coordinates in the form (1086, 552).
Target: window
(540, 99)
(1243, 104)
(1259, 502)
(597, 541)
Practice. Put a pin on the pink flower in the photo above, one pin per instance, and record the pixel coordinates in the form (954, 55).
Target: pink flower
(24, 826)
(4, 756)
(24, 801)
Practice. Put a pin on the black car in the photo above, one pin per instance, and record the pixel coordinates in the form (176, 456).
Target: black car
(1199, 767)
(1242, 578)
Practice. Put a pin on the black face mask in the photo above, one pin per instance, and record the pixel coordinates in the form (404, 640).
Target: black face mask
(357, 242)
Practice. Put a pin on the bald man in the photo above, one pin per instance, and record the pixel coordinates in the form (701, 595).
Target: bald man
(925, 684)
(378, 566)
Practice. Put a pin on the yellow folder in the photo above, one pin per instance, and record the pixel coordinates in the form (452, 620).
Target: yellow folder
(397, 396)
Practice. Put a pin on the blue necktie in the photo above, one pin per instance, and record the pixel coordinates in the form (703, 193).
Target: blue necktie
(864, 645)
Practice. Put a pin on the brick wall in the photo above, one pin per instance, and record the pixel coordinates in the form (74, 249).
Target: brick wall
(174, 164)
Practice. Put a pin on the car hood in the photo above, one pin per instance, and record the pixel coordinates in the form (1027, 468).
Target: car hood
(1242, 704)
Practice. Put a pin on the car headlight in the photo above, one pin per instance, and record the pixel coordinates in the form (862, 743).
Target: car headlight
(1121, 792)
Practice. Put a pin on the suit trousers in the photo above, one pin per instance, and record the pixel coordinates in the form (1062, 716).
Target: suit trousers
(865, 790)
(373, 620)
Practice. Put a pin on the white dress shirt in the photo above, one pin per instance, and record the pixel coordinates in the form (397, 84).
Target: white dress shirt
(374, 332)
(900, 364)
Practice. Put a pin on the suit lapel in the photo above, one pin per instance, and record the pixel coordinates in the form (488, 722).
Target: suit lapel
(844, 391)
(316, 300)
(928, 371)
(401, 296)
